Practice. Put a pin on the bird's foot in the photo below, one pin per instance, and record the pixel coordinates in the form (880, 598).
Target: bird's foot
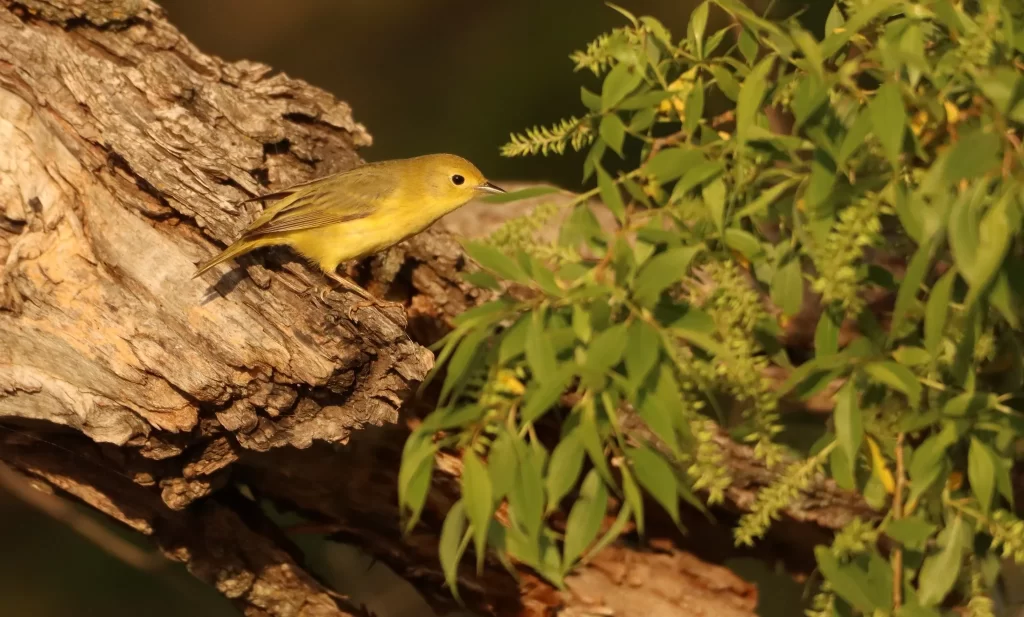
(318, 294)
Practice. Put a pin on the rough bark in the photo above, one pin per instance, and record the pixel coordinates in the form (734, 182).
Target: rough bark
(150, 396)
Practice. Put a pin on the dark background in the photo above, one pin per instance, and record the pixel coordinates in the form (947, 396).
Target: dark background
(423, 76)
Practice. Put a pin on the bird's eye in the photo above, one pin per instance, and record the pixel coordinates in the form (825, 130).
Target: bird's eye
(457, 180)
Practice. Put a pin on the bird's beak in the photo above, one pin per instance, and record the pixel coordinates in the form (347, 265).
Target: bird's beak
(488, 187)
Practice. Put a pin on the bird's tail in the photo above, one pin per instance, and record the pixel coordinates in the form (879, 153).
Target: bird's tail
(239, 247)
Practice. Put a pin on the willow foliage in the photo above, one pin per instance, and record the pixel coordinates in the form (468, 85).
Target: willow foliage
(607, 376)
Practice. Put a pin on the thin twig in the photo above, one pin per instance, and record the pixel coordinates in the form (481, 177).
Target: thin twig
(61, 511)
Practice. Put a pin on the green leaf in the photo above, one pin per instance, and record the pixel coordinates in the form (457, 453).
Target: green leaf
(748, 45)
(939, 572)
(912, 532)
(642, 120)
(910, 287)
(634, 499)
(501, 465)
(619, 82)
(725, 81)
(752, 94)
(614, 532)
(593, 442)
(540, 352)
(458, 366)
(1004, 484)
(644, 100)
(585, 518)
(926, 464)
(936, 311)
(496, 261)
(742, 242)
(521, 194)
(1007, 293)
(658, 29)
(911, 356)
(660, 272)
(526, 499)
(834, 20)
(812, 53)
(974, 154)
(860, 18)
(854, 137)
(821, 186)
(695, 30)
(714, 199)
(624, 13)
(694, 110)
(963, 236)
(787, 289)
(541, 399)
(660, 408)
(819, 365)
(995, 234)
(912, 609)
(966, 405)
(606, 350)
(613, 132)
(581, 323)
(896, 376)
(889, 120)
(671, 163)
(479, 501)
(826, 335)
(765, 199)
(414, 477)
(849, 582)
(656, 476)
(1001, 86)
(563, 469)
(642, 352)
(594, 156)
(452, 545)
(481, 278)
(842, 470)
(981, 472)
(962, 371)
(694, 177)
(849, 421)
(513, 340)
(590, 100)
(610, 194)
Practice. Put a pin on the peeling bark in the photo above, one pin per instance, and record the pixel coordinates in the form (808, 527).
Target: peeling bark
(150, 396)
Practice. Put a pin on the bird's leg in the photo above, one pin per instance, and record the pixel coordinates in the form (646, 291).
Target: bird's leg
(370, 300)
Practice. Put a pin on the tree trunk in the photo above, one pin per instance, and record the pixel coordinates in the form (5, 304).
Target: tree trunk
(151, 396)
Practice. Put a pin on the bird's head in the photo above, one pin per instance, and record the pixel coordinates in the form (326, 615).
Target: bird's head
(453, 179)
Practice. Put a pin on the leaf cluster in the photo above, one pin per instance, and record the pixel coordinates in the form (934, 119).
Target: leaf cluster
(883, 159)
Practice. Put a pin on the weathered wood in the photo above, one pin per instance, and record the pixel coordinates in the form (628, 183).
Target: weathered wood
(149, 395)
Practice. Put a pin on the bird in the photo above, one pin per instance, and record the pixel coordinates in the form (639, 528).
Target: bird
(359, 212)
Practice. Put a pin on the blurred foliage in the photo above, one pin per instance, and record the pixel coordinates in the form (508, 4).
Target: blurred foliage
(600, 377)
(48, 570)
(425, 77)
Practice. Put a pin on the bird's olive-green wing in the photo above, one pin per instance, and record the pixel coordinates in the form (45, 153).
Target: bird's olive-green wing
(327, 201)
(266, 197)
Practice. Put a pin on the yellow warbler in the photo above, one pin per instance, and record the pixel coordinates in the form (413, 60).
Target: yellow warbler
(360, 212)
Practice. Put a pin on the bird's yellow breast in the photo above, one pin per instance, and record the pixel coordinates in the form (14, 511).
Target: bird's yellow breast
(398, 218)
